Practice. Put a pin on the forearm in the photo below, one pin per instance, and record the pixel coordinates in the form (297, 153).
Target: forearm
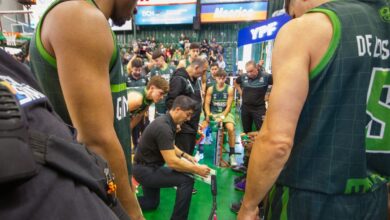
(183, 166)
(135, 120)
(207, 110)
(268, 158)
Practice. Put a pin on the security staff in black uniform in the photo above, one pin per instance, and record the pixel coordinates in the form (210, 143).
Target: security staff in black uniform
(186, 81)
(136, 81)
(39, 175)
(156, 147)
(252, 87)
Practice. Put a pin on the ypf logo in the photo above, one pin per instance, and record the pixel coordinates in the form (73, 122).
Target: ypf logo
(384, 12)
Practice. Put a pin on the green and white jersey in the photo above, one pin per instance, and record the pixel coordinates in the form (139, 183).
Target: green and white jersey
(342, 140)
(219, 99)
(44, 67)
(167, 74)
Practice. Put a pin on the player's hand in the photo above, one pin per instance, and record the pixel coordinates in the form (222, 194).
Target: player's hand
(205, 123)
(252, 135)
(203, 170)
(246, 214)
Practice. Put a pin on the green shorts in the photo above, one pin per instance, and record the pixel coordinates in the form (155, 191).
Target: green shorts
(288, 203)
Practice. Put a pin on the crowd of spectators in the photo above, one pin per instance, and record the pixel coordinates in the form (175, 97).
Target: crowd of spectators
(174, 52)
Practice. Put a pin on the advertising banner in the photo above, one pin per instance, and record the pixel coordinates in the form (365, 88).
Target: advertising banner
(227, 1)
(249, 11)
(165, 14)
(164, 2)
(262, 31)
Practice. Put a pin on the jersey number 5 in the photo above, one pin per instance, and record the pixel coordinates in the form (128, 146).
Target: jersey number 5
(378, 109)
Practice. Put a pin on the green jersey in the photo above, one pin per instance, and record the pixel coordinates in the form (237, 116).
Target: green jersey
(44, 67)
(145, 102)
(219, 99)
(347, 111)
(167, 75)
(210, 81)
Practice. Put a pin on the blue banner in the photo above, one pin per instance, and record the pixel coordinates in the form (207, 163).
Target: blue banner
(262, 31)
(165, 14)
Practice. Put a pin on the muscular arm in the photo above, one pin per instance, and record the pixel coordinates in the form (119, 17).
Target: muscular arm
(293, 58)
(83, 71)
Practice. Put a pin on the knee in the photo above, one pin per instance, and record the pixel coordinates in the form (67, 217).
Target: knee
(148, 203)
(230, 128)
(187, 181)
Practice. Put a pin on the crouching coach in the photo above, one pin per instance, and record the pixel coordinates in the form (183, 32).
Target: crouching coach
(156, 148)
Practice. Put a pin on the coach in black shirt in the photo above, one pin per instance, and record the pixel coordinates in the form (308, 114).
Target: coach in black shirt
(156, 147)
(186, 81)
(252, 87)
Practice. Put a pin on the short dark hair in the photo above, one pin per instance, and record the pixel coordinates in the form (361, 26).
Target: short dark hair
(156, 54)
(136, 63)
(185, 103)
(221, 73)
(214, 64)
(194, 46)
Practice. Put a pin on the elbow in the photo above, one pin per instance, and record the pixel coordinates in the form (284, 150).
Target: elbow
(101, 144)
(171, 164)
(280, 145)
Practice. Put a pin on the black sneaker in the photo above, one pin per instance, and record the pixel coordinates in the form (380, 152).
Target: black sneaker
(239, 179)
(239, 169)
(235, 207)
(194, 191)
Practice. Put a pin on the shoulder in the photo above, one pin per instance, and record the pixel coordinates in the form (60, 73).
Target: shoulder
(162, 125)
(72, 15)
(136, 97)
(316, 26)
(80, 24)
(306, 48)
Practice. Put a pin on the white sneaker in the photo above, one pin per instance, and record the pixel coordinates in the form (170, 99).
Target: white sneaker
(233, 161)
(197, 156)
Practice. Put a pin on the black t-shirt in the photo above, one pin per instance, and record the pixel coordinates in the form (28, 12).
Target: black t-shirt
(254, 90)
(159, 135)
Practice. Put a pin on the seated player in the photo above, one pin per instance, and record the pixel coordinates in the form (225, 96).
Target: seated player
(218, 102)
(139, 101)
